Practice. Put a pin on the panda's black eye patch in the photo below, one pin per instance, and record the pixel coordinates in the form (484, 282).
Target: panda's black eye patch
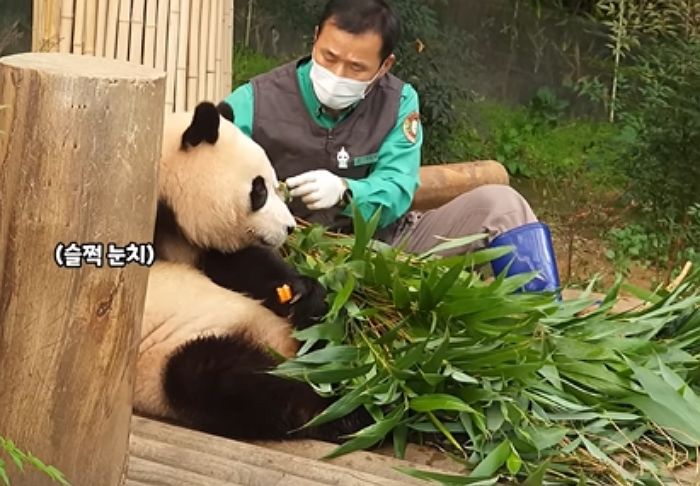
(258, 194)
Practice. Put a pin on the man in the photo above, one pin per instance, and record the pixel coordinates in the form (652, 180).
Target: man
(338, 126)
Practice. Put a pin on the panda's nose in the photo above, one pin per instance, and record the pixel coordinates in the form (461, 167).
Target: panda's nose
(290, 230)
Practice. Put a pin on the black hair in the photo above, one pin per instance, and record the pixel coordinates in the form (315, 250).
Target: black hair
(360, 16)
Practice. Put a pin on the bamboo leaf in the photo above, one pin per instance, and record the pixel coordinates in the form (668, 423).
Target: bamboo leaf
(446, 479)
(342, 297)
(430, 403)
(536, 478)
(514, 463)
(493, 461)
(598, 454)
(370, 435)
(330, 354)
(340, 408)
(400, 441)
(452, 243)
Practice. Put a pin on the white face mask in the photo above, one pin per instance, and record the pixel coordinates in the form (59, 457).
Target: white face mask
(334, 91)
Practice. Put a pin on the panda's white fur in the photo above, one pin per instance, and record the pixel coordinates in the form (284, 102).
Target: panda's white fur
(203, 351)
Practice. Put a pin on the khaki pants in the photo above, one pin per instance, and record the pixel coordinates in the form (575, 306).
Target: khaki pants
(492, 209)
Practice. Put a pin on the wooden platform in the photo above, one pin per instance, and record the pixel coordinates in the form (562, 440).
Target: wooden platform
(163, 454)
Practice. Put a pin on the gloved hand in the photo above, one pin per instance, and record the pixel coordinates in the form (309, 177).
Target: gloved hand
(319, 189)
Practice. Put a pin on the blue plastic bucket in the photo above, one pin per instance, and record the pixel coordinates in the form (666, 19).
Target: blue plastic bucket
(533, 252)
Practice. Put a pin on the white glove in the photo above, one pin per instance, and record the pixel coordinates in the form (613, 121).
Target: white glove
(319, 189)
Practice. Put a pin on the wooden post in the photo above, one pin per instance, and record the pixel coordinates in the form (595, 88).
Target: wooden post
(80, 140)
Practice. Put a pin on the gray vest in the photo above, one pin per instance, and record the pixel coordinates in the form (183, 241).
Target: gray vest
(295, 143)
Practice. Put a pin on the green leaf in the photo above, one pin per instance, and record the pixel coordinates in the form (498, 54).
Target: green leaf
(330, 354)
(444, 430)
(3, 474)
(685, 417)
(667, 418)
(536, 478)
(432, 365)
(342, 297)
(400, 294)
(514, 463)
(340, 408)
(446, 479)
(494, 417)
(430, 403)
(452, 243)
(370, 435)
(493, 461)
(447, 281)
(598, 454)
(382, 274)
(400, 441)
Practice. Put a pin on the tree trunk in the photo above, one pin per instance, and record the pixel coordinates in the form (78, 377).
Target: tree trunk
(78, 163)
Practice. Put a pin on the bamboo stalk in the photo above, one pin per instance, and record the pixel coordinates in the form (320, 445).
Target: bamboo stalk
(46, 20)
(211, 52)
(249, 17)
(40, 15)
(228, 58)
(204, 49)
(79, 27)
(181, 70)
(90, 26)
(162, 34)
(220, 27)
(193, 61)
(101, 33)
(66, 26)
(172, 54)
(149, 41)
(112, 27)
(136, 27)
(52, 26)
(123, 34)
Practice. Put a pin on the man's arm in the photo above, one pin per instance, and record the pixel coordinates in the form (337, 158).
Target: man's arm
(241, 101)
(395, 176)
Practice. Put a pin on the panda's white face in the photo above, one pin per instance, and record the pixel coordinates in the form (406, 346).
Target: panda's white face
(220, 184)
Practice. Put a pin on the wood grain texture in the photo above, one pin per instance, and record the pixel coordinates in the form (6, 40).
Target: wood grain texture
(78, 162)
(165, 454)
(439, 184)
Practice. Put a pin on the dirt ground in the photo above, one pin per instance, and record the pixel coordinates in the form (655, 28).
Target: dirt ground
(579, 220)
(579, 263)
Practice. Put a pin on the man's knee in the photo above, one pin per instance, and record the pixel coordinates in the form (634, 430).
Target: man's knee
(505, 207)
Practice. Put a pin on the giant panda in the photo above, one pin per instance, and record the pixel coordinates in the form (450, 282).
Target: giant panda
(209, 324)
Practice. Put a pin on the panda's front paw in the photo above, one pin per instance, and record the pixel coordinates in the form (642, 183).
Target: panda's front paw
(308, 305)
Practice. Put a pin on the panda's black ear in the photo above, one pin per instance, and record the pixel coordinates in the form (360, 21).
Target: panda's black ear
(204, 126)
(226, 111)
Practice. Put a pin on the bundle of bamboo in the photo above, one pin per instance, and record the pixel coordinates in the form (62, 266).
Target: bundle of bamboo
(190, 40)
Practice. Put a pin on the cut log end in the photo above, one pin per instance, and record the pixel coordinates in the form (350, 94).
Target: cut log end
(64, 64)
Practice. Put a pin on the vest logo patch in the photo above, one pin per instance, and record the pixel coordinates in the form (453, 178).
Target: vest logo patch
(410, 126)
(343, 158)
(366, 159)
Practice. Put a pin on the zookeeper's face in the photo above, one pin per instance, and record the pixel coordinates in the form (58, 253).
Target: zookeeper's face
(352, 56)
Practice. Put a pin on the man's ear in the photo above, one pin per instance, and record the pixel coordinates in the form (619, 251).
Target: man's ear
(389, 63)
(315, 34)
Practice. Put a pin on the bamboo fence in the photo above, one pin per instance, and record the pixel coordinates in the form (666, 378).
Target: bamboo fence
(190, 40)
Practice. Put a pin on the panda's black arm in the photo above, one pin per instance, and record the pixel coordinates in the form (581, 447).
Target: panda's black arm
(258, 272)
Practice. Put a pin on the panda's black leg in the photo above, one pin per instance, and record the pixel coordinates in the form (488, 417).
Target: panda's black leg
(219, 385)
(258, 272)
